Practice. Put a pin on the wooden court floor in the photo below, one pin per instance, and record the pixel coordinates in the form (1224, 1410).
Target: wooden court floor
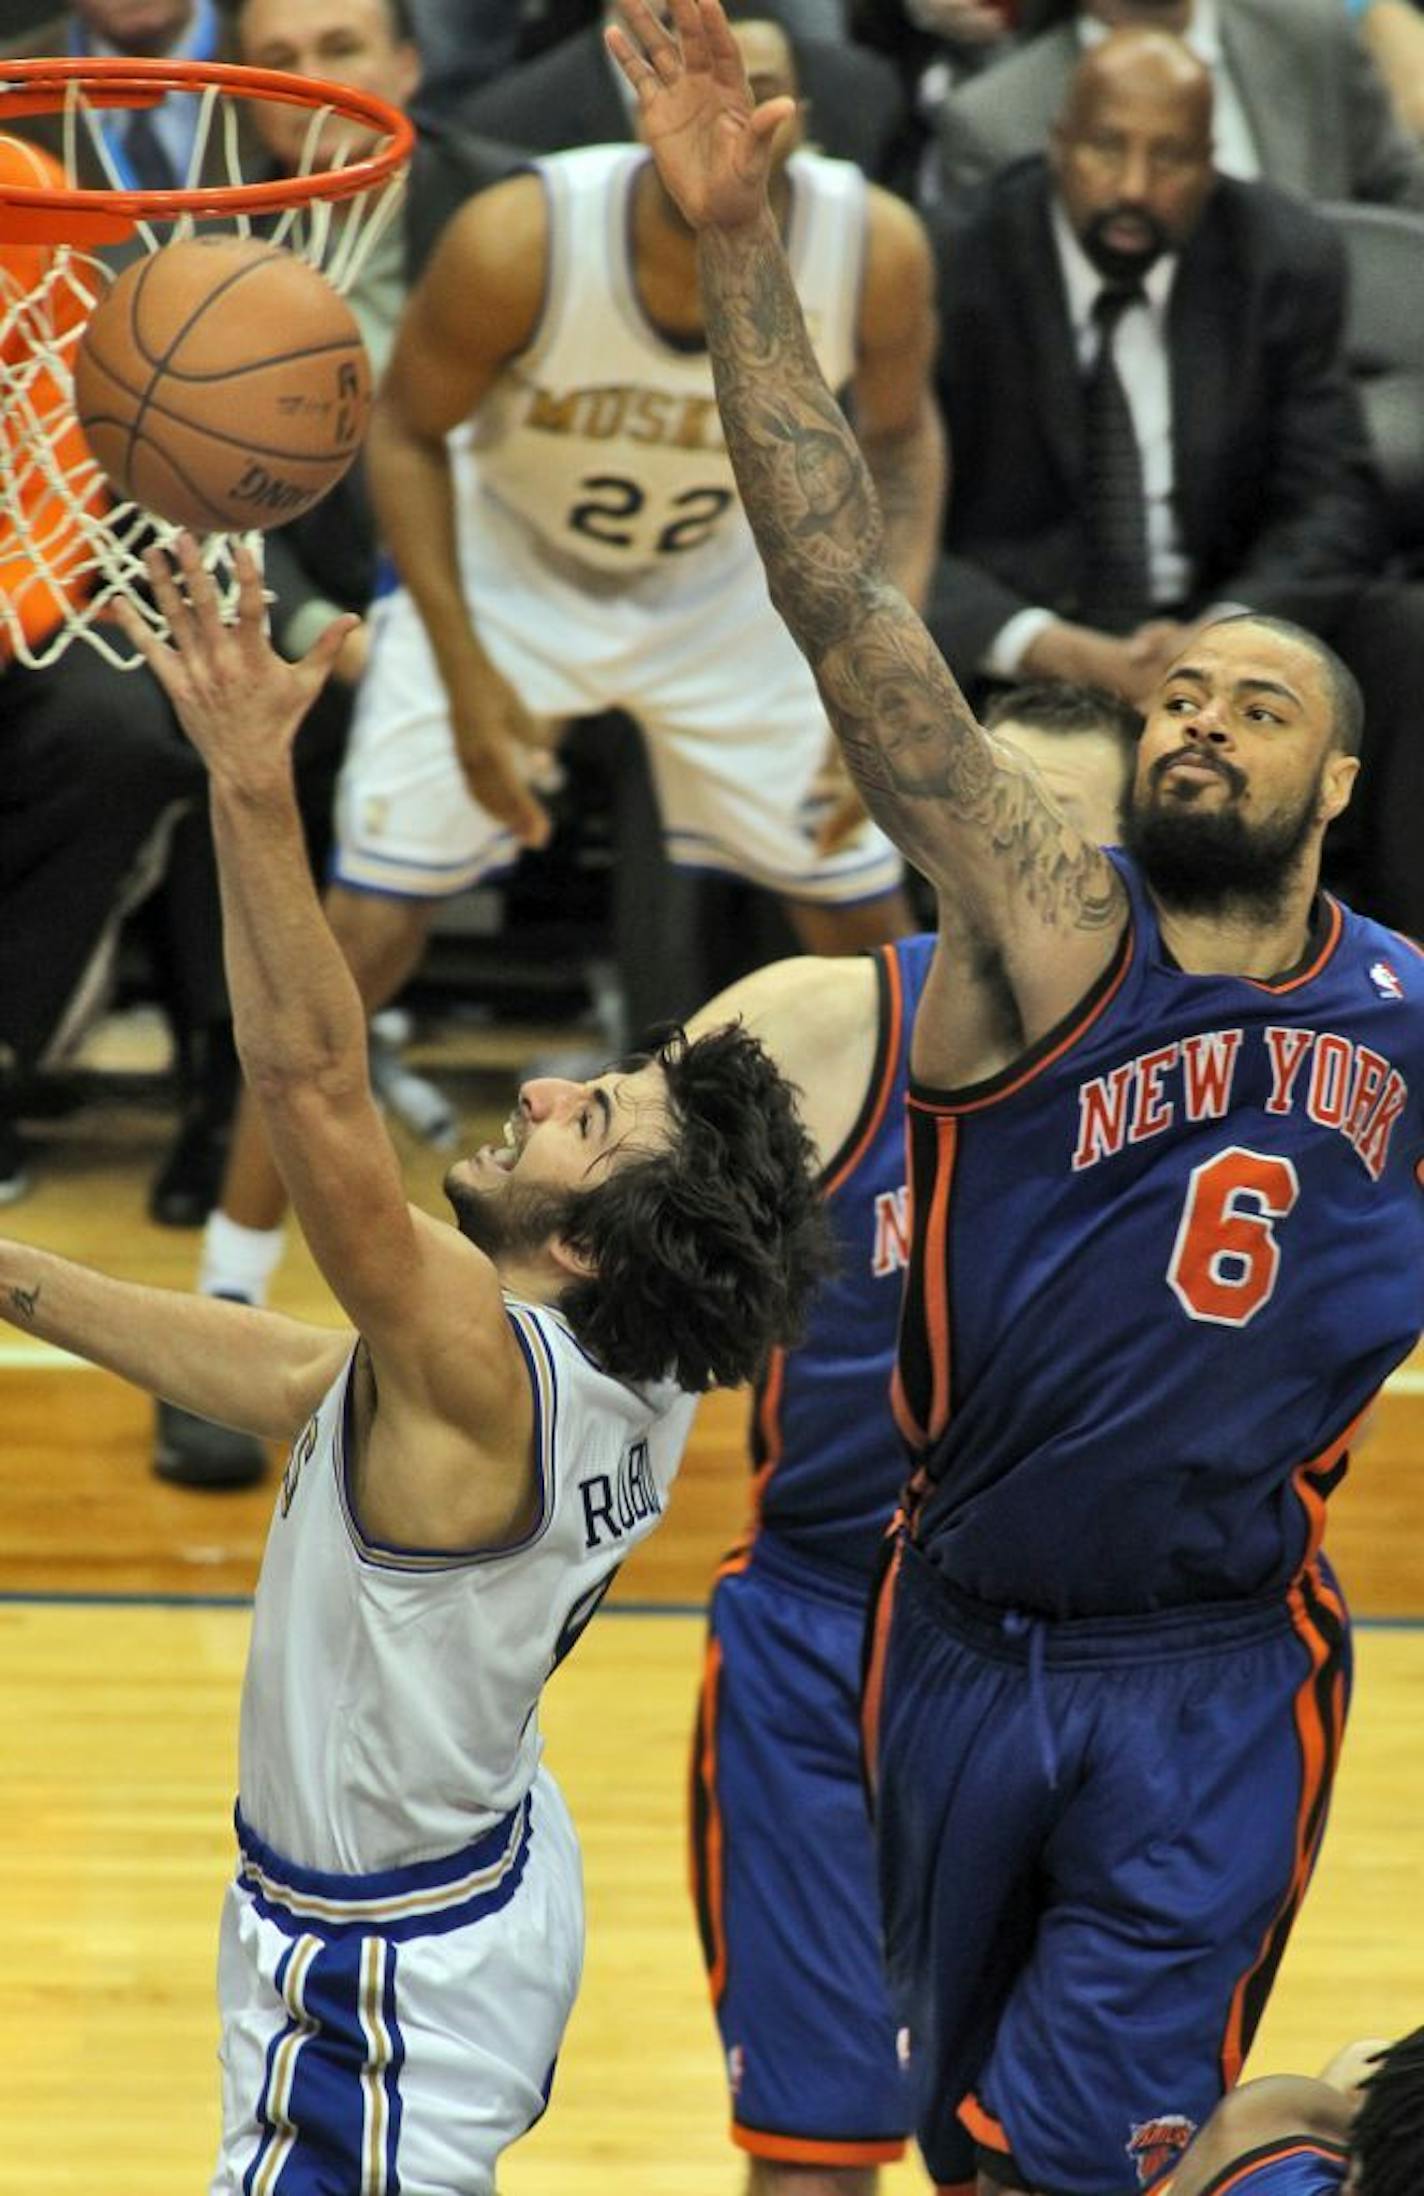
(124, 1629)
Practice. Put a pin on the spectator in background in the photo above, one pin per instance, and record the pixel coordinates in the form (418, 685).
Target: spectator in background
(151, 148)
(324, 562)
(1393, 31)
(933, 44)
(1142, 375)
(91, 760)
(573, 95)
(1299, 101)
(1217, 309)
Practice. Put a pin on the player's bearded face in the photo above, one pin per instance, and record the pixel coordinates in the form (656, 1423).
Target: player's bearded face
(1202, 855)
(510, 1219)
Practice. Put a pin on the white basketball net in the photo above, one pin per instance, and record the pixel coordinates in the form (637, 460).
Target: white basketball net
(81, 547)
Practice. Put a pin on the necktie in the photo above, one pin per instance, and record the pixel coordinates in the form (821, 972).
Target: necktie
(1117, 593)
(149, 164)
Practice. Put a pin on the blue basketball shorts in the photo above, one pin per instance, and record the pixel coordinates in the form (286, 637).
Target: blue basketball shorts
(783, 1870)
(1093, 1840)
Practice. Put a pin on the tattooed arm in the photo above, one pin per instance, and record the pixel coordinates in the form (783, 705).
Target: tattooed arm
(253, 1369)
(1045, 908)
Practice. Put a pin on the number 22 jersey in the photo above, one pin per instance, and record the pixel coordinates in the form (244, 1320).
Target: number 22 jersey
(603, 435)
(1159, 1268)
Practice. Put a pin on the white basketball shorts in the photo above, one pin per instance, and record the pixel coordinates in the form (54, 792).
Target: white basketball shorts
(396, 2031)
(735, 732)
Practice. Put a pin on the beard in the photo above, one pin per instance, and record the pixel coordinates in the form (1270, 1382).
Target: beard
(513, 1222)
(1204, 861)
(1114, 264)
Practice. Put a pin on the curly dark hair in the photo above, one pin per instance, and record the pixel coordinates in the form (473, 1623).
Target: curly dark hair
(1387, 2137)
(705, 1253)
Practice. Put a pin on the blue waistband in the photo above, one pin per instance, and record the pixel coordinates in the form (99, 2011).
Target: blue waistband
(1158, 1635)
(781, 1560)
(425, 1899)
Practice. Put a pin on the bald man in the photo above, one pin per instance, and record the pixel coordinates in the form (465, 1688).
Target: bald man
(1241, 458)
(1335, 137)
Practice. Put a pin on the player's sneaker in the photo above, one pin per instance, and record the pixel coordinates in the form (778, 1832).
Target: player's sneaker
(194, 1452)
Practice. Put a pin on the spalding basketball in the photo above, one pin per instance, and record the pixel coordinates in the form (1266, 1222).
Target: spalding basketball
(222, 383)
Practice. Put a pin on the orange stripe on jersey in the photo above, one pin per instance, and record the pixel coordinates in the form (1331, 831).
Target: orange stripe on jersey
(887, 1065)
(768, 1436)
(1268, 2154)
(873, 1685)
(1318, 1617)
(1042, 1061)
(1332, 939)
(912, 1433)
(1312, 1498)
(934, 1278)
(982, 2125)
(705, 1840)
(736, 1560)
(804, 2151)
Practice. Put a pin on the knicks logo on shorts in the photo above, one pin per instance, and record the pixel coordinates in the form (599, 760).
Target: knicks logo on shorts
(1154, 2146)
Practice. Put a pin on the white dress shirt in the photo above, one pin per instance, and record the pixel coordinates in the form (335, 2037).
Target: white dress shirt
(1144, 368)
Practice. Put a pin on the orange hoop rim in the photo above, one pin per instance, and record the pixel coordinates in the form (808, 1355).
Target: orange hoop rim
(73, 213)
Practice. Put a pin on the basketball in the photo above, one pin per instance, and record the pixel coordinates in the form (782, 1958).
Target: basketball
(222, 383)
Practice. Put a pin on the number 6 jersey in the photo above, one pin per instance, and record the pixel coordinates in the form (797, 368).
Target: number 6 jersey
(603, 436)
(1159, 1267)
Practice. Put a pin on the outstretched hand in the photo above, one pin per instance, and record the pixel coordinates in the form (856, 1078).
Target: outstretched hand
(711, 141)
(239, 702)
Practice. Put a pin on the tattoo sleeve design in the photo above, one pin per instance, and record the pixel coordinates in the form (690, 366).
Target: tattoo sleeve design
(925, 767)
(24, 1302)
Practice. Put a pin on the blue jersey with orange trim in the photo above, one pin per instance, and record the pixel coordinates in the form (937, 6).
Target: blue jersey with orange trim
(1159, 1268)
(1292, 2165)
(823, 1439)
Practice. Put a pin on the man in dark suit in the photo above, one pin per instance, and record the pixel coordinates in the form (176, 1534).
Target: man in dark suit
(1252, 469)
(1299, 101)
(1219, 308)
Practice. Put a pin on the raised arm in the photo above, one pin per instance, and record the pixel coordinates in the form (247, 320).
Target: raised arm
(817, 1018)
(969, 814)
(452, 1429)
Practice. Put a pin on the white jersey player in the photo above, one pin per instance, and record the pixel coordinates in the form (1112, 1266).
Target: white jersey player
(603, 556)
(401, 1943)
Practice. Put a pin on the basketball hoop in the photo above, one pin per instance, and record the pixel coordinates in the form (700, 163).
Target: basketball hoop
(78, 548)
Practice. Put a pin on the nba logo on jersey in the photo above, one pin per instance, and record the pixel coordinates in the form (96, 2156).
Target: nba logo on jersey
(1385, 981)
(1154, 2145)
(736, 2069)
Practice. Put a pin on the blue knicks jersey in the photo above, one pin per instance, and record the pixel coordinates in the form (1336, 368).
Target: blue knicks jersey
(1158, 1269)
(1293, 2165)
(830, 1462)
